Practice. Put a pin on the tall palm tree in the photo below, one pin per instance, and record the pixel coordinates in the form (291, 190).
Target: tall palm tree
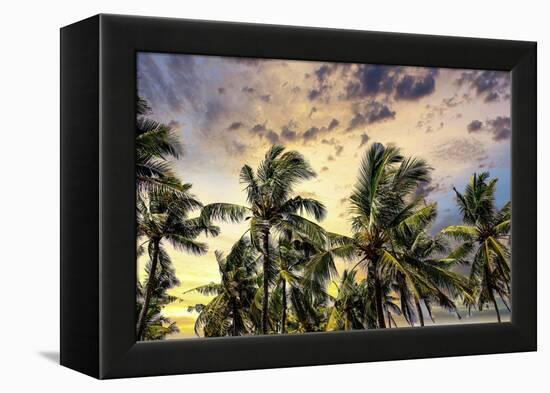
(157, 326)
(292, 253)
(272, 206)
(228, 313)
(426, 276)
(156, 144)
(164, 217)
(382, 202)
(485, 233)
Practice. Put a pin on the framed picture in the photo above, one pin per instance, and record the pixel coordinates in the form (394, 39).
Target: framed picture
(238, 196)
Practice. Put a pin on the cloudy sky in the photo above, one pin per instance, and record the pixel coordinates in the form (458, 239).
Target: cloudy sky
(228, 111)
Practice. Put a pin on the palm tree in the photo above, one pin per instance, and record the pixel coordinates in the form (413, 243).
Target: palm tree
(292, 253)
(382, 202)
(350, 309)
(156, 144)
(163, 217)
(426, 276)
(157, 326)
(484, 232)
(228, 313)
(272, 206)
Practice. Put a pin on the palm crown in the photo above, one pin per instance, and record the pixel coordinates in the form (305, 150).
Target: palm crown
(272, 205)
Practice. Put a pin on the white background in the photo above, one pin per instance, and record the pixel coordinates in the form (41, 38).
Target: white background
(29, 193)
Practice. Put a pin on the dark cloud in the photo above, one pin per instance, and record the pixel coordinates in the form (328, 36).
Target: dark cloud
(333, 124)
(372, 112)
(265, 97)
(492, 97)
(324, 72)
(315, 93)
(357, 121)
(330, 157)
(377, 112)
(288, 134)
(338, 150)
(311, 134)
(491, 85)
(262, 131)
(474, 126)
(236, 125)
(372, 80)
(314, 132)
(415, 87)
(500, 127)
(322, 76)
(248, 90)
(324, 169)
(272, 137)
(364, 139)
(221, 90)
(258, 128)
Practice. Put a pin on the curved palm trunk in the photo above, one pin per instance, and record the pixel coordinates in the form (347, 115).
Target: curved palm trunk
(148, 291)
(283, 317)
(265, 299)
(378, 300)
(496, 307)
(234, 311)
(490, 291)
(419, 311)
(389, 319)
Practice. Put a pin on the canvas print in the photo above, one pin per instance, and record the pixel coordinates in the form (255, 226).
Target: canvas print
(283, 197)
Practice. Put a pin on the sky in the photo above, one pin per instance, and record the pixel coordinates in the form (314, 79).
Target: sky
(229, 111)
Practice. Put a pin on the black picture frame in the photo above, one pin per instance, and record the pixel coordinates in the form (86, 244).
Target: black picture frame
(98, 256)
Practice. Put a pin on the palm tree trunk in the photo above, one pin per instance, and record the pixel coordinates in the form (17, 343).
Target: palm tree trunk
(419, 311)
(378, 300)
(490, 290)
(235, 311)
(283, 317)
(494, 303)
(265, 300)
(389, 319)
(148, 291)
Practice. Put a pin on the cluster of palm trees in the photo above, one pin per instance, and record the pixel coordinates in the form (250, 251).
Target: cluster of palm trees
(276, 277)
(164, 205)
